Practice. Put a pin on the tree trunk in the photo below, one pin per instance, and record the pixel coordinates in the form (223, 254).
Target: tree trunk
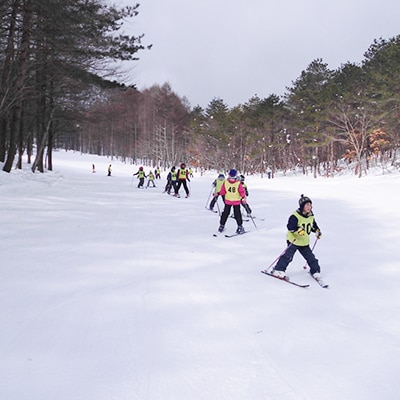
(6, 79)
(23, 66)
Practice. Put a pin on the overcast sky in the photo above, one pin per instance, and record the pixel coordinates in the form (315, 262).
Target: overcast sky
(233, 50)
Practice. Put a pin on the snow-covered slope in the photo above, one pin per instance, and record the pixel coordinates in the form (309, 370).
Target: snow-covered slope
(112, 292)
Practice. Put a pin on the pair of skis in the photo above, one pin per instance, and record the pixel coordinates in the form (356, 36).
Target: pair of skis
(231, 235)
(318, 280)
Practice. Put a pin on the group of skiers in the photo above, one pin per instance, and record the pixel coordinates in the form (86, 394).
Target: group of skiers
(300, 224)
(234, 192)
(177, 178)
(151, 177)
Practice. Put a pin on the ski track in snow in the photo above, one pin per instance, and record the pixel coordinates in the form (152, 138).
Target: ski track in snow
(114, 292)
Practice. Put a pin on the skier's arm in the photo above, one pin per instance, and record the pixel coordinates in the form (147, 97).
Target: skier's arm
(315, 228)
(222, 191)
(293, 224)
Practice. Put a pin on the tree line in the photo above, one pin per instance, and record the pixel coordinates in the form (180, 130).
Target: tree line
(55, 61)
(55, 93)
(327, 120)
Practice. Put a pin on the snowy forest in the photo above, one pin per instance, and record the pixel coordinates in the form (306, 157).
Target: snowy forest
(60, 89)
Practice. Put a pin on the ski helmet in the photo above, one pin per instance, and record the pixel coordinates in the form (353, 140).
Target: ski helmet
(232, 173)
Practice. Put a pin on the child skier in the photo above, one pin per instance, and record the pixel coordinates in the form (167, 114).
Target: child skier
(171, 181)
(245, 205)
(300, 224)
(141, 175)
(217, 187)
(183, 177)
(151, 178)
(234, 194)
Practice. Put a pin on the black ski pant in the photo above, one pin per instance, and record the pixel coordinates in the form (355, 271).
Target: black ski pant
(180, 183)
(168, 187)
(236, 212)
(305, 251)
(214, 200)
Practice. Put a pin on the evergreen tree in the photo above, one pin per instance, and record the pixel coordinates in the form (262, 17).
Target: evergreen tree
(54, 55)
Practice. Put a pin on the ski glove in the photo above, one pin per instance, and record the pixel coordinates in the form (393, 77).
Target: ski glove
(247, 208)
(301, 232)
(318, 233)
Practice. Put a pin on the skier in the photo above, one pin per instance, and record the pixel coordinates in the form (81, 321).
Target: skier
(141, 175)
(109, 170)
(151, 179)
(245, 205)
(183, 177)
(217, 187)
(300, 224)
(171, 181)
(234, 194)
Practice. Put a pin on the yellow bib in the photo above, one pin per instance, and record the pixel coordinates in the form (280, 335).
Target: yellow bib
(306, 223)
(232, 191)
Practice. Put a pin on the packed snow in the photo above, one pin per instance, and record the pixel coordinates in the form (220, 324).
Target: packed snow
(108, 291)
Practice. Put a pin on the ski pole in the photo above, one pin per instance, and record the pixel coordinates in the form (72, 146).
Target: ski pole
(248, 210)
(254, 222)
(219, 210)
(212, 189)
(312, 249)
(132, 181)
(280, 255)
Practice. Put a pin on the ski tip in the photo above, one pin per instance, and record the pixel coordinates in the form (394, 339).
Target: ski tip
(322, 283)
(286, 280)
